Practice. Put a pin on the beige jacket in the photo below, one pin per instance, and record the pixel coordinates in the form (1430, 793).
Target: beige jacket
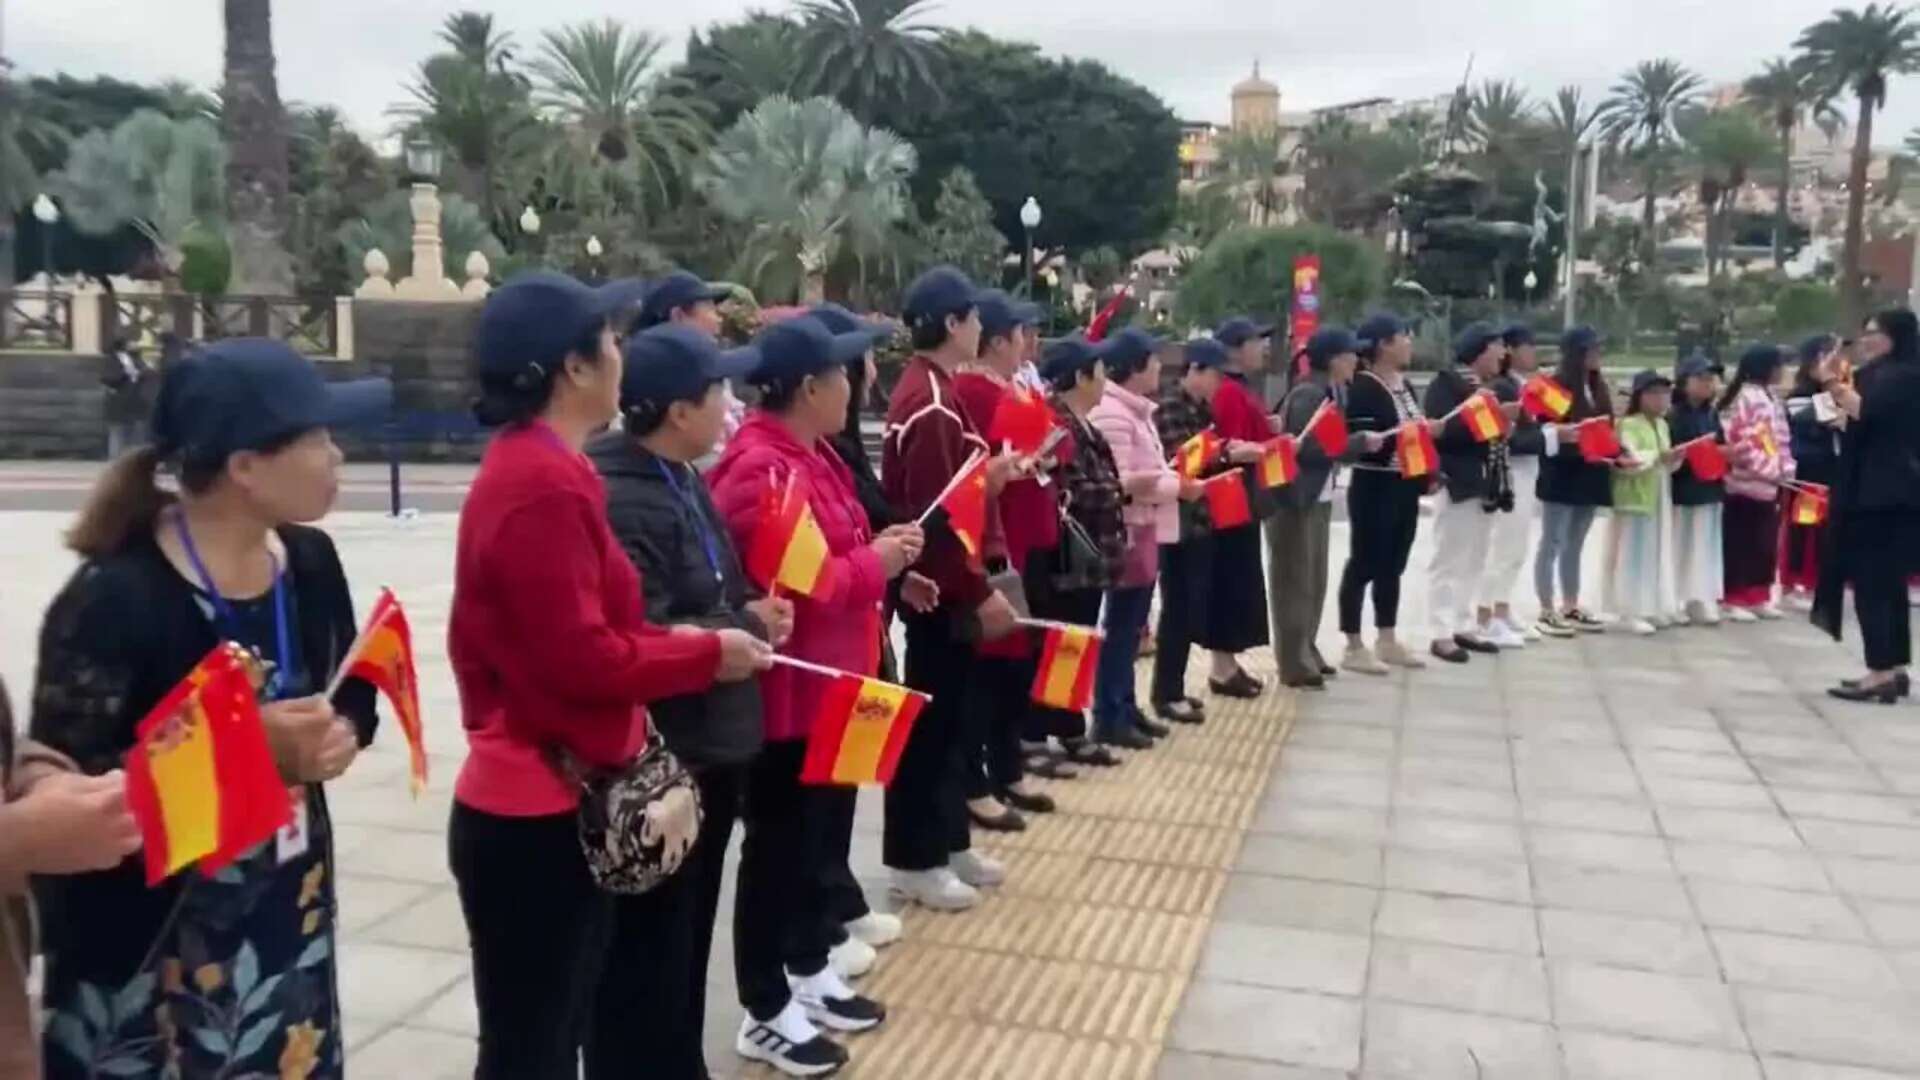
(19, 1035)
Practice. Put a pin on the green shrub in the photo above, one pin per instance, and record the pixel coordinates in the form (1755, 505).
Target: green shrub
(206, 263)
(1249, 271)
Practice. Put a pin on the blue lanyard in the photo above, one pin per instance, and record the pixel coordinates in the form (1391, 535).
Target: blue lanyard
(229, 621)
(700, 525)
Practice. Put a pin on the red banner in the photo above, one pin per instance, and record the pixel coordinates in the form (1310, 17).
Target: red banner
(1306, 305)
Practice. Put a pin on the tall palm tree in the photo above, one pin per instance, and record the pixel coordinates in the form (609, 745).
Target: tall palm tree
(1856, 51)
(1785, 93)
(1568, 121)
(1638, 115)
(1249, 165)
(1728, 144)
(869, 54)
(1499, 108)
(255, 126)
(473, 101)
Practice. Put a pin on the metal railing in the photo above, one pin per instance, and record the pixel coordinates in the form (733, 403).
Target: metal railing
(36, 320)
(309, 324)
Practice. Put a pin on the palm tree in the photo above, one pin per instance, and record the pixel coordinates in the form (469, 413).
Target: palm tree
(1727, 144)
(1499, 109)
(255, 126)
(159, 175)
(1639, 115)
(476, 105)
(1856, 51)
(808, 182)
(1250, 163)
(1568, 121)
(869, 54)
(1784, 92)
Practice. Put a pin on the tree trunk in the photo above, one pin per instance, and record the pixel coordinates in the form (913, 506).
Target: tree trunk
(1648, 248)
(256, 134)
(1852, 294)
(1782, 220)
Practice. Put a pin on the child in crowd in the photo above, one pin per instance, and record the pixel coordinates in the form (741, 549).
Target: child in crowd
(1815, 422)
(1640, 540)
(1698, 501)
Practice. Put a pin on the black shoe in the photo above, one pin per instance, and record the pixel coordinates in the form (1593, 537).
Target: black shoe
(1007, 820)
(1307, 682)
(1038, 803)
(819, 1056)
(1455, 655)
(1125, 740)
(1087, 752)
(1475, 644)
(1901, 682)
(1150, 729)
(1240, 685)
(1179, 712)
(1887, 693)
(1051, 766)
(849, 1014)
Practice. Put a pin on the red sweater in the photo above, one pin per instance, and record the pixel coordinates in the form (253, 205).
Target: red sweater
(548, 637)
(1024, 513)
(928, 438)
(1237, 414)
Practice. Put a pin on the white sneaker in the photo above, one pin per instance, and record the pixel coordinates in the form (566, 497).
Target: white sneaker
(852, 958)
(790, 1043)
(832, 1004)
(877, 928)
(1638, 626)
(1703, 614)
(1503, 634)
(1797, 601)
(938, 889)
(1361, 662)
(1525, 632)
(1740, 614)
(1769, 612)
(1662, 622)
(977, 870)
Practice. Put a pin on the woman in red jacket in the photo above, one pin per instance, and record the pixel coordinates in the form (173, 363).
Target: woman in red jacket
(552, 652)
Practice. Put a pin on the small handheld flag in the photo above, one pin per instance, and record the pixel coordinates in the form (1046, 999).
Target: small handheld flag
(1021, 421)
(1810, 504)
(1279, 462)
(1707, 460)
(1068, 659)
(1545, 399)
(965, 502)
(1103, 319)
(1484, 420)
(1763, 434)
(789, 549)
(1199, 452)
(383, 656)
(1418, 455)
(1227, 501)
(1598, 441)
(1328, 427)
(860, 730)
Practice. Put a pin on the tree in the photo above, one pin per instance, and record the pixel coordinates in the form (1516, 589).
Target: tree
(960, 232)
(1728, 144)
(387, 224)
(1348, 171)
(159, 175)
(1249, 270)
(1784, 92)
(1639, 117)
(738, 65)
(869, 54)
(1855, 52)
(1249, 168)
(1568, 122)
(807, 182)
(335, 176)
(1202, 215)
(255, 126)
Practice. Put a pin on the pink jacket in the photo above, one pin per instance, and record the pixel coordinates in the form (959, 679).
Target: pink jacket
(1756, 423)
(1126, 420)
(840, 629)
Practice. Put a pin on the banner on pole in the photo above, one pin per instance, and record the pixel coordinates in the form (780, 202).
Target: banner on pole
(1306, 301)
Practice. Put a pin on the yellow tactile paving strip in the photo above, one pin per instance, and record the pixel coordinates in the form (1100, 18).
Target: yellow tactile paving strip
(1074, 969)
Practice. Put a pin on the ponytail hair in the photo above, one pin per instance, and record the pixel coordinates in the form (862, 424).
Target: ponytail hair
(125, 502)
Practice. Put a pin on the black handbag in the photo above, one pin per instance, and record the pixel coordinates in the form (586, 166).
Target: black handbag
(1077, 563)
(637, 823)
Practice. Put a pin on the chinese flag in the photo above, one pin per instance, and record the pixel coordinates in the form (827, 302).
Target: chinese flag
(383, 656)
(1545, 399)
(1021, 421)
(1484, 420)
(1198, 452)
(1598, 441)
(1067, 662)
(1227, 501)
(1328, 427)
(789, 549)
(966, 505)
(859, 732)
(1810, 505)
(1707, 461)
(1418, 455)
(1279, 462)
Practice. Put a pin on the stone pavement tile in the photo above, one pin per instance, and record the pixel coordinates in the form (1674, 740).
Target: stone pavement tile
(393, 808)
(1779, 911)
(1280, 813)
(1322, 858)
(1684, 765)
(1574, 812)
(1335, 759)
(1430, 831)
(1664, 735)
(1409, 1042)
(1845, 1031)
(1263, 900)
(453, 1012)
(1883, 879)
(1453, 920)
(1850, 806)
(1594, 1056)
(1759, 828)
(1779, 1068)
(1314, 732)
(1675, 948)
(384, 984)
(1601, 850)
(1285, 1026)
(1853, 838)
(1285, 957)
(1658, 1006)
(1420, 742)
(1819, 775)
(1459, 771)
(365, 901)
(1471, 802)
(400, 854)
(1563, 730)
(1907, 963)
(1819, 967)
(1891, 923)
(1829, 749)
(1335, 788)
(1448, 874)
(433, 922)
(417, 1054)
(1669, 790)
(1738, 863)
(1180, 1065)
(1473, 980)
(1585, 888)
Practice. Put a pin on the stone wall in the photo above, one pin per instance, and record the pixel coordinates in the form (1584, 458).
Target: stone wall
(426, 349)
(51, 406)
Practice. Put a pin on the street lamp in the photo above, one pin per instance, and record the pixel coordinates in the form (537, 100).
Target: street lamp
(48, 215)
(428, 279)
(1532, 281)
(423, 159)
(529, 222)
(1030, 220)
(594, 251)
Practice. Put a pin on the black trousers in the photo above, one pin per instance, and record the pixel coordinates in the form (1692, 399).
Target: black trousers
(833, 810)
(926, 803)
(1383, 514)
(1185, 576)
(1080, 607)
(782, 910)
(1237, 596)
(997, 702)
(539, 929)
(1880, 553)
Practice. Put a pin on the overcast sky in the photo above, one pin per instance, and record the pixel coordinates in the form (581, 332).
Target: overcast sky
(355, 54)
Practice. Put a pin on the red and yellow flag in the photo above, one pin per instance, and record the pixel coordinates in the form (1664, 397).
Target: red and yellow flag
(1763, 434)
(1279, 462)
(1810, 505)
(1199, 452)
(1021, 421)
(1068, 659)
(1545, 399)
(201, 781)
(859, 732)
(383, 656)
(1484, 420)
(789, 549)
(1418, 456)
(1707, 460)
(966, 505)
(1227, 501)
(1598, 441)
(1328, 427)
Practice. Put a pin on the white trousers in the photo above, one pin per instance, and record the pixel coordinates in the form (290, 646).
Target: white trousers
(1699, 558)
(1512, 536)
(1462, 534)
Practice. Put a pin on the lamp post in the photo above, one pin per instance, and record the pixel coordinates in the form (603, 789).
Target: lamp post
(48, 215)
(594, 251)
(427, 279)
(1029, 220)
(530, 224)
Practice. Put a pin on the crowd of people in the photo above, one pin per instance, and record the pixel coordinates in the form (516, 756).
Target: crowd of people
(616, 660)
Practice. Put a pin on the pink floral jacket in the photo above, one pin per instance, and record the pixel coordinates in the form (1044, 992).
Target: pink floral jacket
(1759, 444)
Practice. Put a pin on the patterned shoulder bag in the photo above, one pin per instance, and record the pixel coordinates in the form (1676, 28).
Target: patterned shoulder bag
(637, 822)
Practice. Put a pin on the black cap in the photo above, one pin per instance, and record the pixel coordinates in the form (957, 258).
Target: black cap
(841, 321)
(675, 291)
(1472, 341)
(1071, 355)
(670, 363)
(1648, 379)
(536, 319)
(1379, 329)
(1131, 348)
(792, 349)
(936, 294)
(1239, 330)
(1001, 314)
(1204, 353)
(248, 394)
(1328, 343)
(1698, 363)
(1517, 335)
(1581, 338)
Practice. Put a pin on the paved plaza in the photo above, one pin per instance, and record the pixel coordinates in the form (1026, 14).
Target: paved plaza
(1614, 858)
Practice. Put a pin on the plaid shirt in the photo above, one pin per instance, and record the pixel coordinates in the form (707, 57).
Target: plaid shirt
(1180, 418)
(1090, 483)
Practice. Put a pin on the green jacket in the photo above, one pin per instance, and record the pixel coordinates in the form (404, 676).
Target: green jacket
(1637, 490)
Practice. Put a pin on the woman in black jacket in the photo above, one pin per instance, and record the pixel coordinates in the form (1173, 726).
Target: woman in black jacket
(1383, 508)
(1814, 422)
(1572, 491)
(1479, 485)
(1698, 503)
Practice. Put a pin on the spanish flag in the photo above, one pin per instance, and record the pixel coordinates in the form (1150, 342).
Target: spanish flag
(201, 781)
(965, 502)
(1598, 441)
(1279, 462)
(1545, 399)
(1418, 456)
(788, 548)
(1810, 504)
(859, 732)
(1485, 422)
(1021, 421)
(1199, 452)
(1067, 662)
(1328, 427)
(383, 656)
(1227, 503)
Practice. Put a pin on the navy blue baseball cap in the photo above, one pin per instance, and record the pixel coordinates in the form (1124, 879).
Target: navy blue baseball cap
(1579, 338)
(1131, 348)
(670, 363)
(841, 321)
(1071, 355)
(1473, 340)
(1001, 314)
(938, 293)
(1206, 353)
(675, 291)
(535, 319)
(1239, 330)
(249, 394)
(1516, 335)
(792, 349)
(1329, 342)
(1379, 329)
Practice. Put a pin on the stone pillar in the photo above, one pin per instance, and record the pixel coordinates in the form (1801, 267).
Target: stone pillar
(343, 328)
(428, 281)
